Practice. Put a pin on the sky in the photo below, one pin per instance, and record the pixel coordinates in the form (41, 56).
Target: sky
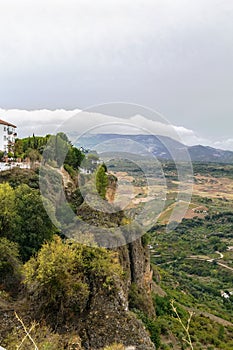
(176, 57)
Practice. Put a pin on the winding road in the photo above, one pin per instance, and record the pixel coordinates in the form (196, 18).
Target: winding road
(200, 258)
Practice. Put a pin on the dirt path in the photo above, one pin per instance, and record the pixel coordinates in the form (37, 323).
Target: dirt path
(221, 255)
(212, 317)
(217, 319)
(193, 257)
(225, 266)
(65, 177)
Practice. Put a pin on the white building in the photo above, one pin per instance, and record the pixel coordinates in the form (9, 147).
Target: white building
(7, 136)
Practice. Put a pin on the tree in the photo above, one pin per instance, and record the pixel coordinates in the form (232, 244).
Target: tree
(57, 149)
(49, 153)
(64, 137)
(61, 149)
(101, 180)
(74, 157)
(10, 265)
(33, 226)
(7, 210)
(33, 155)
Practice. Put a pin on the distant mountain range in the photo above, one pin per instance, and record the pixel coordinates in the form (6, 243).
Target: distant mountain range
(160, 146)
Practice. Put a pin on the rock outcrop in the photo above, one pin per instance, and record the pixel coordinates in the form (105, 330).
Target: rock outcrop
(108, 321)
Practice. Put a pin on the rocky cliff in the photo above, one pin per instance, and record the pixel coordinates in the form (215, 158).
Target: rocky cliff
(106, 318)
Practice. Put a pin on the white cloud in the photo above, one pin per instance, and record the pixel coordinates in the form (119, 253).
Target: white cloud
(39, 122)
(224, 144)
(42, 122)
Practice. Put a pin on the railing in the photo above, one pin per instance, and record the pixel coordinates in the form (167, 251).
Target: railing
(10, 166)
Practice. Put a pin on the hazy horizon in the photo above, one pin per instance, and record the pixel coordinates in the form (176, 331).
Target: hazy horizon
(42, 122)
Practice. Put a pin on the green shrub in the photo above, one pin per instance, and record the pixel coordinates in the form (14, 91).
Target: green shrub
(70, 170)
(60, 278)
(53, 279)
(136, 299)
(152, 327)
(10, 265)
(146, 239)
(43, 337)
(162, 305)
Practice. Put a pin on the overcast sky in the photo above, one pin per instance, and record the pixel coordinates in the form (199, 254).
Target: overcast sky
(175, 56)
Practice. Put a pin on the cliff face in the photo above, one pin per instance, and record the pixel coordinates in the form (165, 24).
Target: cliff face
(141, 273)
(111, 188)
(108, 319)
(135, 259)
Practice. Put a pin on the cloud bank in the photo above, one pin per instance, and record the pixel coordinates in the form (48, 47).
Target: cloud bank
(42, 122)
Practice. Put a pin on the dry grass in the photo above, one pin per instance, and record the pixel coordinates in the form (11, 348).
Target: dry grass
(187, 338)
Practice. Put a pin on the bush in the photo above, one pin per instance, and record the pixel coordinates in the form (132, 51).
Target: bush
(152, 327)
(43, 337)
(61, 277)
(162, 305)
(70, 170)
(136, 299)
(10, 265)
(54, 281)
(146, 239)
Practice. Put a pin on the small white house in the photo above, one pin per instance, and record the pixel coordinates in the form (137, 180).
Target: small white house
(7, 136)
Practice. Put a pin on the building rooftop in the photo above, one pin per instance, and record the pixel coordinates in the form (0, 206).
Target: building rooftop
(6, 123)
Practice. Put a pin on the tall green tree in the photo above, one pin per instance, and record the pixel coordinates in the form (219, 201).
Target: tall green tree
(101, 180)
(74, 157)
(7, 210)
(33, 225)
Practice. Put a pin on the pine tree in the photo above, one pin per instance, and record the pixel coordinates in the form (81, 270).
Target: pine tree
(101, 180)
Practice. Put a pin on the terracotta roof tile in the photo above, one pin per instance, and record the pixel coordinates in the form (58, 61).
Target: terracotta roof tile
(6, 123)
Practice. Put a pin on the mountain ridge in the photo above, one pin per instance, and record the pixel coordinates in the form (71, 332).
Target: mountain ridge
(163, 147)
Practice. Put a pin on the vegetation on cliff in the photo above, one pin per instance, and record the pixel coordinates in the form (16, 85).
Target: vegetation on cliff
(51, 148)
(77, 295)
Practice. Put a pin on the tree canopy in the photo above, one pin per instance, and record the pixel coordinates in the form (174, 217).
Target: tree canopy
(23, 218)
(55, 148)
